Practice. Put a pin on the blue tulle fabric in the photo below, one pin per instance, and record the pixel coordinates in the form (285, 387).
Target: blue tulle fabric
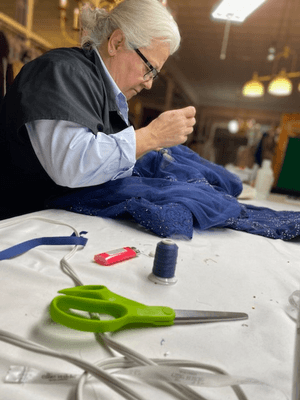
(173, 191)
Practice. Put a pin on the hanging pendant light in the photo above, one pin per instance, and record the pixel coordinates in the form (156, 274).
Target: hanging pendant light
(253, 88)
(281, 85)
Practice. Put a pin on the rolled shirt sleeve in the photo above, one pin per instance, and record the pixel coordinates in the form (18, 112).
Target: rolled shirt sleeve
(74, 157)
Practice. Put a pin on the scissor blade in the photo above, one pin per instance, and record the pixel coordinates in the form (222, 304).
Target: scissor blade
(197, 316)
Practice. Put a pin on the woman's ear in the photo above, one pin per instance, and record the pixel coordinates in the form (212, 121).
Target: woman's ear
(116, 42)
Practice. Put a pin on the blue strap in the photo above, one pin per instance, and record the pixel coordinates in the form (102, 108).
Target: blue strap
(30, 244)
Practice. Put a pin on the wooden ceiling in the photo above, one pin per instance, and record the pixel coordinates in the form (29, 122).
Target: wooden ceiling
(219, 82)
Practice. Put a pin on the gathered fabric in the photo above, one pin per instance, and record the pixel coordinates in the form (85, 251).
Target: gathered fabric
(174, 191)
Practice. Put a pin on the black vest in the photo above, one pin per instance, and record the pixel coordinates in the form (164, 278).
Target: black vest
(63, 84)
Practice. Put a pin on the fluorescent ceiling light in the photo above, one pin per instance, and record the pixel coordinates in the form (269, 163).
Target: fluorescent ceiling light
(236, 10)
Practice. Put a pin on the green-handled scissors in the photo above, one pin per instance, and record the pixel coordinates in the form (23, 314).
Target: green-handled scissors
(100, 300)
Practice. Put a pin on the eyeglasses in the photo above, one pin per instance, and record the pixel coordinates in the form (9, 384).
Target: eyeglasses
(152, 73)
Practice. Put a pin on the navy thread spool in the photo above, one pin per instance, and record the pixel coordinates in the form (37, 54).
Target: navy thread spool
(165, 259)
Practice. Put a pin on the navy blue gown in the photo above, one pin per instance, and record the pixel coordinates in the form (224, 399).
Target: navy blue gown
(173, 191)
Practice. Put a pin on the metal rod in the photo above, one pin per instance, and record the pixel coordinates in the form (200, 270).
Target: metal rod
(225, 40)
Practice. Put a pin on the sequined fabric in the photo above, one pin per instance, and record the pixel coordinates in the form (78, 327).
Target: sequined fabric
(266, 222)
(175, 190)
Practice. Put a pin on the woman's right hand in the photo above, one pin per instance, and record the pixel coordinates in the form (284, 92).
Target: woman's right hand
(170, 128)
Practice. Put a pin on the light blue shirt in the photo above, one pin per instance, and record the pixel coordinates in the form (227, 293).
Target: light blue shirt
(74, 157)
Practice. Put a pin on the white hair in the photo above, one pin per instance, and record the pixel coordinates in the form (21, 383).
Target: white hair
(141, 21)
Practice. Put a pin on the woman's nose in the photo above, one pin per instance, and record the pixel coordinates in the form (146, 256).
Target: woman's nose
(148, 84)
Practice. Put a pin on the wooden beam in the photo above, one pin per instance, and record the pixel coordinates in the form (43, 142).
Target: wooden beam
(181, 81)
(169, 94)
(14, 27)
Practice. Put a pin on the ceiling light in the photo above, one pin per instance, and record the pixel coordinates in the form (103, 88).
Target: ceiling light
(281, 85)
(233, 126)
(271, 53)
(63, 3)
(271, 57)
(235, 10)
(253, 88)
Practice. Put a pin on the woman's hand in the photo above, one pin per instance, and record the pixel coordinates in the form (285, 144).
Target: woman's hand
(171, 128)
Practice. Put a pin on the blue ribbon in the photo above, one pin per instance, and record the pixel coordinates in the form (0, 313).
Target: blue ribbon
(21, 248)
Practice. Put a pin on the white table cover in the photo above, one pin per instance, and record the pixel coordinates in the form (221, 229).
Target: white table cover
(219, 269)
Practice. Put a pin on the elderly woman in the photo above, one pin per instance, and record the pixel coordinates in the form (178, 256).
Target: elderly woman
(64, 123)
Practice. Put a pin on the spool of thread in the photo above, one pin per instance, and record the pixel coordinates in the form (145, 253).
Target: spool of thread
(164, 265)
